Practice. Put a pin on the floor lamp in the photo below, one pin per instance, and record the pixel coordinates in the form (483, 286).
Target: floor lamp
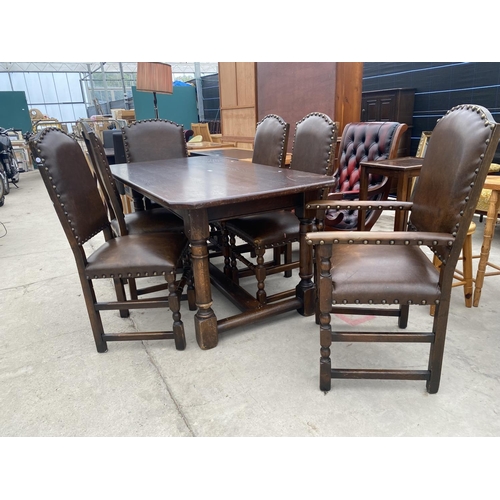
(154, 77)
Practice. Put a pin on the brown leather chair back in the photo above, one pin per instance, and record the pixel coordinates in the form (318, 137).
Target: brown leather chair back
(104, 176)
(442, 197)
(366, 141)
(150, 140)
(314, 144)
(70, 184)
(271, 137)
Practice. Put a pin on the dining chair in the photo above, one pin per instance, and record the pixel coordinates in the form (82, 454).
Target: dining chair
(269, 148)
(150, 140)
(83, 215)
(145, 221)
(362, 141)
(392, 268)
(313, 151)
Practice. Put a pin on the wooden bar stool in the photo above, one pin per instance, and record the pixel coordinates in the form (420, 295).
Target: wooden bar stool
(492, 182)
(462, 278)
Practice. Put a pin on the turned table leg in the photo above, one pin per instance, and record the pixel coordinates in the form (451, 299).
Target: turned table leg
(205, 319)
(306, 289)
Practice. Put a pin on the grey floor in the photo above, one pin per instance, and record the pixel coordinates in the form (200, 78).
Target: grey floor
(261, 380)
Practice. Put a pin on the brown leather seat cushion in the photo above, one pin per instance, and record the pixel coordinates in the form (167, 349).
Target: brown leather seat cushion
(382, 272)
(151, 221)
(266, 229)
(141, 255)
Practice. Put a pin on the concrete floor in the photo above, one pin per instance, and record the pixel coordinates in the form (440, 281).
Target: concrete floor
(261, 380)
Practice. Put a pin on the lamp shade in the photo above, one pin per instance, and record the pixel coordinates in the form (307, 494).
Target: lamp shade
(154, 77)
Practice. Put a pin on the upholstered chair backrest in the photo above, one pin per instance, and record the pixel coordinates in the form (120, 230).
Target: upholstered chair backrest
(453, 172)
(70, 184)
(150, 140)
(365, 141)
(271, 137)
(314, 144)
(105, 177)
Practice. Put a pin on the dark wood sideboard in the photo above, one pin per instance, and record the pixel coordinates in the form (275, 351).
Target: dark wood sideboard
(391, 105)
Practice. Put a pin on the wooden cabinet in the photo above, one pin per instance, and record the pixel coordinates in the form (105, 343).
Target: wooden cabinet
(249, 91)
(238, 102)
(391, 105)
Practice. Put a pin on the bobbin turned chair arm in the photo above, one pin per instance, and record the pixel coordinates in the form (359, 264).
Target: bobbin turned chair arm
(380, 238)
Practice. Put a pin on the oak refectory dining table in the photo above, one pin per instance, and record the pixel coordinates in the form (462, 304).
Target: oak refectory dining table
(207, 189)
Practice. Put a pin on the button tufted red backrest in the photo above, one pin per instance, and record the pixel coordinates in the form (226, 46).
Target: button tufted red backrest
(364, 141)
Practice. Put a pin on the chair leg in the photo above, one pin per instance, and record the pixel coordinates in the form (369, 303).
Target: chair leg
(191, 296)
(190, 292)
(277, 251)
(437, 347)
(174, 303)
(260, 275)
(226, 250)
(325, 363)
(404, 311)
(132, 286)
(288, 259)
(234, 268)
(324, 301)
(94, 315)
(188, 281)
(120, 296)
(316, 273)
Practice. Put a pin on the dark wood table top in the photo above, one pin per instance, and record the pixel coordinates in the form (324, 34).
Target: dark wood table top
(210, 181)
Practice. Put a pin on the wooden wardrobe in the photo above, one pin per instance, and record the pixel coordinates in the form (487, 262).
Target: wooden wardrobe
(251, 90)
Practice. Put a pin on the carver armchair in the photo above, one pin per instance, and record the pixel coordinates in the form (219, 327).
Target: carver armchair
(391, 268)
(83, 215)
